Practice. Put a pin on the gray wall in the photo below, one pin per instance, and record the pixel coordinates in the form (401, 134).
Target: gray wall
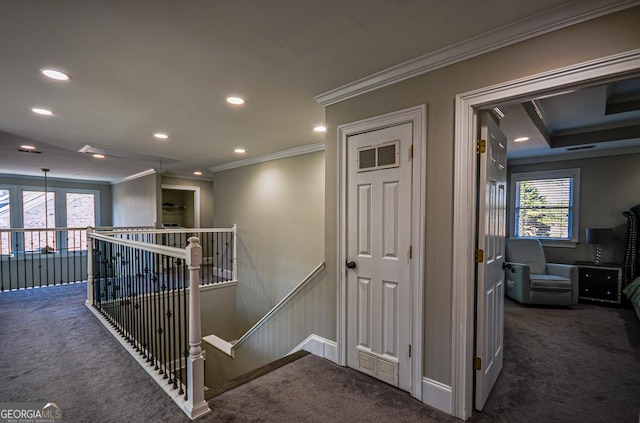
(106, 218)
(600, 37)
(293, 323)
(608, 186)
(206, 197)
(279, 209)
(137, 202)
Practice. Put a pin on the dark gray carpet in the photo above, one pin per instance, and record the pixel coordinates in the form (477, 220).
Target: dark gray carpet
(54, 350)
(561, 365)
(579, 364)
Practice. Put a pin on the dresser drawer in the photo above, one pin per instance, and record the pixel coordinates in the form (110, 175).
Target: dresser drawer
(600, 283)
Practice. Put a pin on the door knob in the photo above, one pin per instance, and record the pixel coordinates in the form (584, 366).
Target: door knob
(351, 265)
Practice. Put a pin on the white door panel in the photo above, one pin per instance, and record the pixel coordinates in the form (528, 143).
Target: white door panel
(378, 241)
(490, 273)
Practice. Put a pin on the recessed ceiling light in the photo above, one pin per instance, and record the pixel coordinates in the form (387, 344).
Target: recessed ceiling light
(161, 136)
(320, 128)
(240, 150)
(521, 139)
(197, 173)
(235, 100)
(98, 156)
(27, 147)
(55, 74)
(42, 111)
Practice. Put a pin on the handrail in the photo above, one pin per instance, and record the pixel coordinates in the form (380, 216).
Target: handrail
(170, 230)
(229, 348)
(145, 246)
(41, 229)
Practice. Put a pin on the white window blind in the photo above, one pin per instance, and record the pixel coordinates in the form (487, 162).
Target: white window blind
(544, 208)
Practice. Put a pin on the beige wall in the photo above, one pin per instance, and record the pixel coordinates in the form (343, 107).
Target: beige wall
(608, 186)
(136, 202)
(279, 209)
(601, 37)
(206, 198)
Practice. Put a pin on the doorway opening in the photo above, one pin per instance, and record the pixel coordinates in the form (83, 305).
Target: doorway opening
(465, 201)
(180, 206)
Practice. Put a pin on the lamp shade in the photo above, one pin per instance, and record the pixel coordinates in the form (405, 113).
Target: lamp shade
(599, 235)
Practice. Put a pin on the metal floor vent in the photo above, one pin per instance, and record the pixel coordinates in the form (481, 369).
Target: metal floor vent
(374, 365)
(378, 157)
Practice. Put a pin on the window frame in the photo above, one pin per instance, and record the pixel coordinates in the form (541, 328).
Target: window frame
(574, 204)
(16, 210)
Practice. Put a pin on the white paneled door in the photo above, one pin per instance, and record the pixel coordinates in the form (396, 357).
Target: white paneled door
(378, 248)
(492, 163)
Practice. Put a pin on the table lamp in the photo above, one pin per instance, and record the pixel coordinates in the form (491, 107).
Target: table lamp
(599, 237)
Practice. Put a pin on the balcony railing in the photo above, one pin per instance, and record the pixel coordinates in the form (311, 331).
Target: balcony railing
(148, 296)
(32, 258)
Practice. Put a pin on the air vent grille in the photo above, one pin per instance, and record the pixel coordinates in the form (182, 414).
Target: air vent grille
(366, 159)
(378, 366)
(378, 157)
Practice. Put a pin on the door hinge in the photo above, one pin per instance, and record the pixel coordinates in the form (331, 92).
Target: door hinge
(481, 146)
(410, 251)
(409, 350)
(479, 256)
(477, 363)
(411, 152)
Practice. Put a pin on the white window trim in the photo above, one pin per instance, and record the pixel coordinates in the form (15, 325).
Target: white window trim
(575, 201)
(16, 216)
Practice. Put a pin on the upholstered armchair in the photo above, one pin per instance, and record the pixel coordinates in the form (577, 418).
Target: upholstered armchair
(531, 280)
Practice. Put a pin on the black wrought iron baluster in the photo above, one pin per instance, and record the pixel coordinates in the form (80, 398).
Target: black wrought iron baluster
(163, 322)
(135, 275)
(185, 342)
(147, 305)
(170, 319)
(158, 320)
(176, 316)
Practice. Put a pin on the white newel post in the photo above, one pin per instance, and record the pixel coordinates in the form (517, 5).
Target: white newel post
(235, 252)
(89, 301)
(195, 406)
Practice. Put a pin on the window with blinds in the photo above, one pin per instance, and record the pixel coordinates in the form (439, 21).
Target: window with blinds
(544, 205)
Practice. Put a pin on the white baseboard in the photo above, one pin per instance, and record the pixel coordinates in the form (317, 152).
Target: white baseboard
(437, 395)
(319, 346)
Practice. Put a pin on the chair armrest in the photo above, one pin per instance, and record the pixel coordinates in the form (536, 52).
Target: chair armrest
(568, 271)
(564, 270)
(518, 281)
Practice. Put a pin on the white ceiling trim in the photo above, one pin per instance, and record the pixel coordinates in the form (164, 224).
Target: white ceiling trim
(297, 151)
(574, 155)
(553, 20)
(135, 176)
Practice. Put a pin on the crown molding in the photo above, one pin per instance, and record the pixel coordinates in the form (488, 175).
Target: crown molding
(51, 179)
(297, 151)
(576, 155)
(543, 23)
(134, 176)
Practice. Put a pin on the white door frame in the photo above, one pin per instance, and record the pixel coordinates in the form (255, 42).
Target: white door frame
(464, 203)
(417, 116)
(196, 199)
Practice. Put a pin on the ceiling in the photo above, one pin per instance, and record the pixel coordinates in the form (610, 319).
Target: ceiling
(596, 120)
(146, 66)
